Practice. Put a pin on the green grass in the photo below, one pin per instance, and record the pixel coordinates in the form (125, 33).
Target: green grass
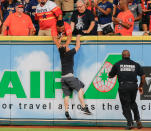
(52, 129)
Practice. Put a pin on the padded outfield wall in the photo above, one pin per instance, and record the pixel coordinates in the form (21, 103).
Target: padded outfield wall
(30, 88)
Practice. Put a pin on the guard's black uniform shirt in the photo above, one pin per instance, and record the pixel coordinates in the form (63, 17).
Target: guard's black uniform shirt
(67, 60)
(126, 70)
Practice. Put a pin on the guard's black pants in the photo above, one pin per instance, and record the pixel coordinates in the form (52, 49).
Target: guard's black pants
(127, 94)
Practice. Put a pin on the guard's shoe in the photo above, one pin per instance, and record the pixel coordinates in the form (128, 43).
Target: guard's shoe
(129, 126)
(86, 111)
(139, 124)
(67, 115)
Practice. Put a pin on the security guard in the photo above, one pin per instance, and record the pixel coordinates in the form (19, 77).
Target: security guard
(127, 71)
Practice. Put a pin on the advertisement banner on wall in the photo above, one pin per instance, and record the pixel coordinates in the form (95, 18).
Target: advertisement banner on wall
(30, 84)
(147, 86)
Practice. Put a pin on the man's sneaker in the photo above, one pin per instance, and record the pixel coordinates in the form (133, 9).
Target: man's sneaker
(139, 124)
(67, 115)
(86, 111)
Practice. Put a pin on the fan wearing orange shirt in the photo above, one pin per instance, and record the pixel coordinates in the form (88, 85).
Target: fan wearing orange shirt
(63, 29)
(18, 23)
(47, 13)
(124, 23)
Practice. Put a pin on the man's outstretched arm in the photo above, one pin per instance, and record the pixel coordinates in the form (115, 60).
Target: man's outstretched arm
(55, 39)
(68, 41)
(77, 43)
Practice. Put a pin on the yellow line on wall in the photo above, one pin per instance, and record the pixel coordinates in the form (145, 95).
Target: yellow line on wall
(83, 38)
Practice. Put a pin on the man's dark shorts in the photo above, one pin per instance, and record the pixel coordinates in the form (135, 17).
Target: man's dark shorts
(146, 19)
(69, 84)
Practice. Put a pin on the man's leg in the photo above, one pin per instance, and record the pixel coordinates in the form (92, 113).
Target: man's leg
(135, 110)
(80, 94)
(76, 84)
(84, 108)
(67, 91)
(66, 104)
(125, 102)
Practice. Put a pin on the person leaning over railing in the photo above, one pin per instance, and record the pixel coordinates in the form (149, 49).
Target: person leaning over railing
(18, 23)
(63, 30)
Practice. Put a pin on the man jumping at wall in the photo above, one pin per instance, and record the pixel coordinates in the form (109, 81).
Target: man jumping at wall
(68, 81)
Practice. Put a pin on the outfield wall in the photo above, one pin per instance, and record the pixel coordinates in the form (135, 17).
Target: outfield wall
(30, 88)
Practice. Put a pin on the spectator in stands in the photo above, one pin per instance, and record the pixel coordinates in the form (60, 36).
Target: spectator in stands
(18, 23)
(104, 13)
(25, 2)
(146, 18)
(90, 4)
(0, 24)
(124, 22)
(30, 9)
(116, 8)
(0, 10)
(47, 13)
(8, 7)
(82, 20)
(63, 29)
(67, 6)
(136, 9)
(0, 16)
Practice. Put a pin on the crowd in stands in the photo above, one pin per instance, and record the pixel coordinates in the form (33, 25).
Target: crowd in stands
(66, 17)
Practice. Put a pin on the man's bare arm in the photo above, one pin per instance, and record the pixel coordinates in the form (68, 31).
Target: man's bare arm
(72, 26)
(77, 43)
(141, 84)
(68, 41)
(4, 28)
(55, 39)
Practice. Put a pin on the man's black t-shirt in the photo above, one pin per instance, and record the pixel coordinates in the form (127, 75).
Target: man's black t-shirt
(67, 60)
(82, 21)
(126, 70)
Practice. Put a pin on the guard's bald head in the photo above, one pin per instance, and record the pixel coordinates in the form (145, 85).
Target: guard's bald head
(126, 54)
